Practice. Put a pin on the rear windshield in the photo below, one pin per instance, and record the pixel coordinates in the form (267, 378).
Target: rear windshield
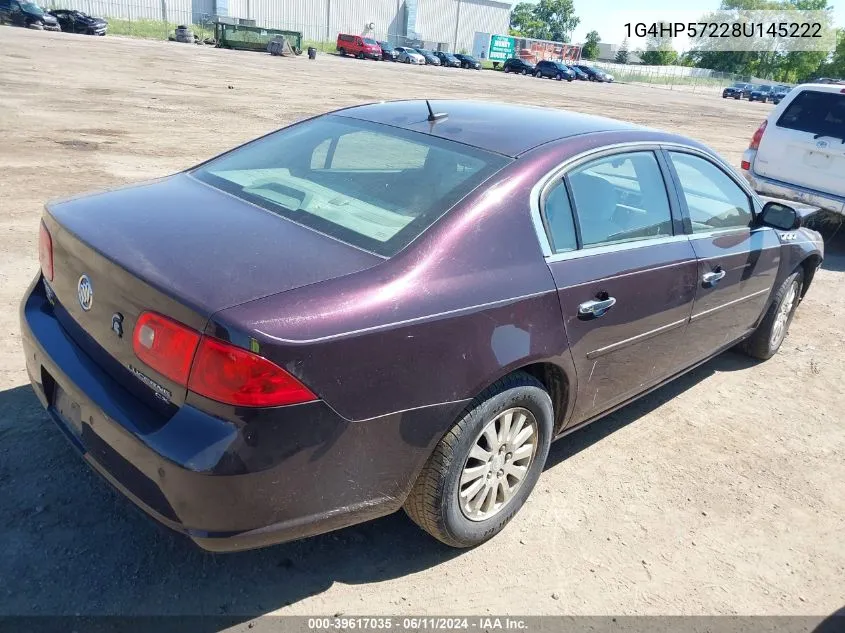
(373, 186)
(819, 113)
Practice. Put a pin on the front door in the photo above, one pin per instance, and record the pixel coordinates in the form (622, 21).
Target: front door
(737, 263)
(625, 274)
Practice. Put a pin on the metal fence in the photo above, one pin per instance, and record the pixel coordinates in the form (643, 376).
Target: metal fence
(682, 78)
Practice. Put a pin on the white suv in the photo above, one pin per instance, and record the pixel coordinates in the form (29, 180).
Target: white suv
(798, 152)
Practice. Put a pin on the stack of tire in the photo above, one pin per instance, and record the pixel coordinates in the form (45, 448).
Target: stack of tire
(184, 34)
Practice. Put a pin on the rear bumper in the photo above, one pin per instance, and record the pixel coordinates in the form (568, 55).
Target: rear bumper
(795, 193)
(266, 477)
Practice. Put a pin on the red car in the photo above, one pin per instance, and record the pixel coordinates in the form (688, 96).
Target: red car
(358, 46)
(393, 305)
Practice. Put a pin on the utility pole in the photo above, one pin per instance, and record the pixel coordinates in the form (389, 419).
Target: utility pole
(457, 24)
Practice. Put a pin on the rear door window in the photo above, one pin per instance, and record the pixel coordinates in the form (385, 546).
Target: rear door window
(621, 198)
(816, 112)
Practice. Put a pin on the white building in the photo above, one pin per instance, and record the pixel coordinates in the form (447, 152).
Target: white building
(447, 24)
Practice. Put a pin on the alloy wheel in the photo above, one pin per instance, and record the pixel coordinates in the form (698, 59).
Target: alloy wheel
(782, 318)
(498, 463)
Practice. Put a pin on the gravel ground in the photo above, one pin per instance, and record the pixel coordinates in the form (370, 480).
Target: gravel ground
(719, 494)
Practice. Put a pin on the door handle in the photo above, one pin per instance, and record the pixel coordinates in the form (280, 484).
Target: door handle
(595, 308)
(712, 278)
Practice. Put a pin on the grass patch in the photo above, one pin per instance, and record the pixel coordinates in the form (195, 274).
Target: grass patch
(153, 29)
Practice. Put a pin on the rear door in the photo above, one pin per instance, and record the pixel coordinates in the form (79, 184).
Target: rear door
(804, 144)
(737, 261)
(625, 274)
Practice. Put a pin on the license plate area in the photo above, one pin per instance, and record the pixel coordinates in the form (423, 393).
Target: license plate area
(67, 409)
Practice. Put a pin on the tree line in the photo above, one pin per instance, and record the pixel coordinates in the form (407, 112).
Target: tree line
(555, 20)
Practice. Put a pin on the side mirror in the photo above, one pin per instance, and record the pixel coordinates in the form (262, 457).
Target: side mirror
(779, 216)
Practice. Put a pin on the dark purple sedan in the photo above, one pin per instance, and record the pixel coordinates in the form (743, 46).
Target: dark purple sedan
(389, 306)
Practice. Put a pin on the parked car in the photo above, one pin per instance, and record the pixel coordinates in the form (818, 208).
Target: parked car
(27, 14)
(388, 53)
(736, 91)
(797, 152)
(468, 61)
(448, 60)
(778, 93)
(595, 74)
(516, 65)
(73, 21)
(760, 93)
(408, 55)
(358, 46)
(579, 74)
(382, 325)
(430, 58)
(553, 70)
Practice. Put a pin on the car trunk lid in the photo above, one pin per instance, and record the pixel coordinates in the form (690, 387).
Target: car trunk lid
(180, 248)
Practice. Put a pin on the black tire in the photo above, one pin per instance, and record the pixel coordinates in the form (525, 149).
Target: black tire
(524, 72)
(360, 55)
(761, 344)
(558, 76)
(433, 502)
(342, 52)
(506, 70)
(538, 74)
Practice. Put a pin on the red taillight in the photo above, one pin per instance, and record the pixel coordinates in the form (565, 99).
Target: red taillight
(213, 368)
(235, 376)
(758, 136)
(745, 165)
(165, 345)
(45, 252)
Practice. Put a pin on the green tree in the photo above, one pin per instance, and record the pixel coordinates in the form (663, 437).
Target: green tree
(590, 49)
(558, 18)
(524, 22)
(622, 53)
(835, 66)
(659, 50)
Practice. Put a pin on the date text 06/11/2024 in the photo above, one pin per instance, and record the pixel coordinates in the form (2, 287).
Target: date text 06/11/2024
(428, 623)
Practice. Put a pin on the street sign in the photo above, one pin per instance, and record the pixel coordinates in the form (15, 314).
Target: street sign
(501, 48)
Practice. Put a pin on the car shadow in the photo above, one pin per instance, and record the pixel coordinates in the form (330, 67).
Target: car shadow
(583, 438)
(74, 545)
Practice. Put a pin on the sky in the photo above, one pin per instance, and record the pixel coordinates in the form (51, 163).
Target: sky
(599, 14)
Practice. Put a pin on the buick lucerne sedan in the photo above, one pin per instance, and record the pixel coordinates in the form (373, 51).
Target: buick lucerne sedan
(396, 305)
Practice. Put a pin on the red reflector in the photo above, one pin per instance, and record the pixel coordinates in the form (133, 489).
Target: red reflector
(165, 345)
(45, 252)
(745, 165)
(758, 136)
(235, 376)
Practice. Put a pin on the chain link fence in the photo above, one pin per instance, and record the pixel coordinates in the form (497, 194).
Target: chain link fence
(682, 78)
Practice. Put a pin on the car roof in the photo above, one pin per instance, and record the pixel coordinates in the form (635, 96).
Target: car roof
(821, 87)
(506, 129)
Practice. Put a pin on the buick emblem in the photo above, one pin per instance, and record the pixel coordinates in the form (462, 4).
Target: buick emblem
(822, 144)
(85, 292)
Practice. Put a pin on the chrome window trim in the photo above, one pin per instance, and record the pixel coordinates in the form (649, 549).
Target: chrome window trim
(720, 232)
(539, 190)
(615, 248)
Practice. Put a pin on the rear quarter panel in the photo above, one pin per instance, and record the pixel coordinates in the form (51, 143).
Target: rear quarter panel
(467, 302)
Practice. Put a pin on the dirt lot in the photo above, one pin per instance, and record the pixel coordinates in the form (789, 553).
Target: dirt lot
(721, 493)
